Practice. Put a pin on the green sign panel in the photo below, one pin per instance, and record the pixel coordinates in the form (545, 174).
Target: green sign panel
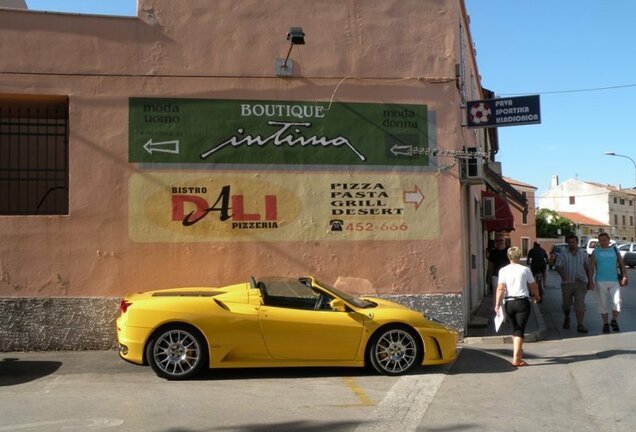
(277, 132)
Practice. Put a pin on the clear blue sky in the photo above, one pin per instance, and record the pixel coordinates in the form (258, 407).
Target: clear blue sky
(550, 48)
(105, 7)
(561, 50)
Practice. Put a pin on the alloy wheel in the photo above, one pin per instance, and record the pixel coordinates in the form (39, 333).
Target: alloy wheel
(394, 352)
(177, 353)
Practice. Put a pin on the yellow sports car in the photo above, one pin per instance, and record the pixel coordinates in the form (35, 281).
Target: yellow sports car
(276, 322)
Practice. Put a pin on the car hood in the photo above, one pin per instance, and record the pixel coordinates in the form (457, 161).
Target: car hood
(389, 309)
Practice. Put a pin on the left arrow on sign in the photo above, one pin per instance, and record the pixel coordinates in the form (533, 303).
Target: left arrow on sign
(162, 147)
(404, 150)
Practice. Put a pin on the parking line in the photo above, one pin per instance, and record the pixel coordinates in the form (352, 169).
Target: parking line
(358, 391)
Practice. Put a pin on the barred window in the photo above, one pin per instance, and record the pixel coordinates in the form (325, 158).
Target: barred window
(33, 155)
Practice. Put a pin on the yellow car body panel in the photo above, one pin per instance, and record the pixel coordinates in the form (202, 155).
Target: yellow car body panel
(242, 330)
(310, 334)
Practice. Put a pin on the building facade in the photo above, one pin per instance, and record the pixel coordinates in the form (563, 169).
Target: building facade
(200, 143)
(585, 227)
(610, 208)
(525, 233)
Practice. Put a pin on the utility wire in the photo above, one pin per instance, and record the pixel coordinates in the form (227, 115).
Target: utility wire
(571, 91)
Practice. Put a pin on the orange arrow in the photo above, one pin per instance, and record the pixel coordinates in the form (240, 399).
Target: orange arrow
(414, 197)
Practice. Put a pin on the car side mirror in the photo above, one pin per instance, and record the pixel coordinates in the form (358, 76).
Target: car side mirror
(338, 305)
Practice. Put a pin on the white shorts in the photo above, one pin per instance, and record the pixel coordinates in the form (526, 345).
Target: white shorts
(608, 295)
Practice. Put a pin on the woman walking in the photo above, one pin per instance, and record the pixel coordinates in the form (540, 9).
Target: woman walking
(514, 288)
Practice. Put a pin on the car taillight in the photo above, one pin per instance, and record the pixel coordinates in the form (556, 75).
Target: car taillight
(124, 305)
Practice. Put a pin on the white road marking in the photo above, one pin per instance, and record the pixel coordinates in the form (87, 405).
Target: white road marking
(51, 385)
(66, 425)
(404, 405)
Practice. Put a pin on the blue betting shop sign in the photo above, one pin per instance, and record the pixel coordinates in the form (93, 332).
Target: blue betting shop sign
(512, 111)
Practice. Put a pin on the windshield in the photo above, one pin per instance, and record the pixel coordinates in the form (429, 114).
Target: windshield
(356, 301)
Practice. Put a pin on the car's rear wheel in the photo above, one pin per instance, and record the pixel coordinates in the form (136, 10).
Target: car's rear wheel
(395, 350)
(177, 352)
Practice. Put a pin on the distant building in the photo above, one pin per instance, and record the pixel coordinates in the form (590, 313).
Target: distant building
(14, 4)
(585, 226)
(612, 209)
(525, 232)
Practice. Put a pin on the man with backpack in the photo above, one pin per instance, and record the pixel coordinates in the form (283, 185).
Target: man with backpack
(604, 261)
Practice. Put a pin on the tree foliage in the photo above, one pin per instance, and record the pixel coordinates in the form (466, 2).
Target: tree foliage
(549, 222)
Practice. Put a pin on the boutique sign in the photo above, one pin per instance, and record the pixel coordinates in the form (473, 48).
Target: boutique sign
(246, 132)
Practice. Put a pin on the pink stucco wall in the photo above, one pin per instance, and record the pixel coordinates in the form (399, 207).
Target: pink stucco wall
(388, 51)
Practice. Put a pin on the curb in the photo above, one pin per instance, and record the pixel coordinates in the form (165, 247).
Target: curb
(533, 336)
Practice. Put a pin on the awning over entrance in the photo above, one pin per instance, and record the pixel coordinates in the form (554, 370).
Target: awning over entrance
(503, 220)
(505, 189)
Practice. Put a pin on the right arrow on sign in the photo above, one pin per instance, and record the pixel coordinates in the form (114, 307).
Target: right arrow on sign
(414, 197)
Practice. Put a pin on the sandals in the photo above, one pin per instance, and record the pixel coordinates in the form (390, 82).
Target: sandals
(614, 325)
(520, 364)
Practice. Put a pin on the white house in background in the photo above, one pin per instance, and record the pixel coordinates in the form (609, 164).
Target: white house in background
(586, 227)
(610, 205)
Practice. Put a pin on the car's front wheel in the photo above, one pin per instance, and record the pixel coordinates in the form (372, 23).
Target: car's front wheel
(176, 353)
(395, 350)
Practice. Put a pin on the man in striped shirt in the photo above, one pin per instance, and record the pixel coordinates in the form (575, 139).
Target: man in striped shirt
(572, 265)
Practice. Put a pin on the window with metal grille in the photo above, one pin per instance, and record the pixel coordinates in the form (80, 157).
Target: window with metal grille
(33, 155)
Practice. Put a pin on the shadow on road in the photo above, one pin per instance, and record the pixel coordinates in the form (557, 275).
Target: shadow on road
(290, 427)
(293, 426)
(478, 361)
(601, 355)
(14, 371)
(300, 372)
(491, 361)
(303, 372)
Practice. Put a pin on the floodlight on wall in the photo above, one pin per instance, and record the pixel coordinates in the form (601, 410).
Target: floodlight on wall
(285, 67)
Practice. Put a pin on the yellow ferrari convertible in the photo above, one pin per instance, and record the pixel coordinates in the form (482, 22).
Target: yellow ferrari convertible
(276, 322)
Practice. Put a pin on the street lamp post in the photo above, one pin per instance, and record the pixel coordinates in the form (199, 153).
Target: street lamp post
(633, 200)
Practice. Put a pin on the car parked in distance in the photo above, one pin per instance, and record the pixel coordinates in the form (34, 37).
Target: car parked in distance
(628, 252)
(557, 248)
(593, 242)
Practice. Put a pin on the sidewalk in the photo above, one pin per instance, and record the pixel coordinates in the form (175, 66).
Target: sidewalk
(481, 327)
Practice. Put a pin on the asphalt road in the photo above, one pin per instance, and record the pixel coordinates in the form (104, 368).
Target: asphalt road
(574, 382)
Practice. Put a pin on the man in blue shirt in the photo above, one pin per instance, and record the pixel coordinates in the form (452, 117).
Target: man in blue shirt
(604, 260)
